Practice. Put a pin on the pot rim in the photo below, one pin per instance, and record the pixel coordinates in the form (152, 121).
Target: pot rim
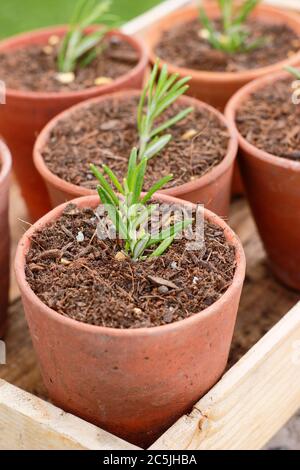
(233, 105)
(221, 77)
(6, 160)
(137, 43)
(175, 191)
(93, 201)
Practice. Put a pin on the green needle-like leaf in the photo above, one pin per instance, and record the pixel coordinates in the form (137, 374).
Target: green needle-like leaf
(131, 169)
(113, 179)
(140, 247)
(164, 245)
(156, 187)
(179, 117)
(170, 232)
(156, 146)
(113, 213)
(138, 181)
(105, 185)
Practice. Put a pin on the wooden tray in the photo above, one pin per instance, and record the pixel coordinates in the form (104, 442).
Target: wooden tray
(253, 400)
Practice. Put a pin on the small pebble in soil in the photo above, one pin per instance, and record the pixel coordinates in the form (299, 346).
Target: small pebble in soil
(168, 316)
(99, 81)
(203, 33)
(163, 290)
(137, 311)
(80, 237)
(189, 134)
(53, 40)
(48, 50)
(65, 78)
(120, 256)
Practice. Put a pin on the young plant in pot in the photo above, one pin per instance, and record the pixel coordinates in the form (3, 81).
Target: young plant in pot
(134, 320)
(200, 156)
(266, 114)
(224, 45)
(49, 70)
(5, 167)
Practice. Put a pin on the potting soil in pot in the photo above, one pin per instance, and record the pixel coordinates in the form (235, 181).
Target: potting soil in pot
(78, 275)
(183, 46)
(34, 68)
(106, 132)
(270, 120)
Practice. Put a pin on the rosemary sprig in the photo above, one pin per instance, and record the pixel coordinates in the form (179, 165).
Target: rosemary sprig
(161, 91)
(130, 211)
(234, 36)
(79, 48)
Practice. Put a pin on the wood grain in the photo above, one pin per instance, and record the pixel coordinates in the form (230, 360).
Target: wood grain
(28, 423)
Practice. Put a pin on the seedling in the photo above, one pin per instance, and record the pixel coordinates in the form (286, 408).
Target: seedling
(129, 210)
(234, 36)
(78, 48)
(160, 92)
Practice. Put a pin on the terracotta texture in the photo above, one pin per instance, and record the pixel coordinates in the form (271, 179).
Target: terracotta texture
(273, 188)
(216, 88)
(134, 383)
(212, 189)
(5, 168)
(26, 113)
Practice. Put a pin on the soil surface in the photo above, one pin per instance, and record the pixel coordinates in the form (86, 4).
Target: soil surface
(33, 68)
(270, 120)
(84, 281)
(106, 133)
(184, 47)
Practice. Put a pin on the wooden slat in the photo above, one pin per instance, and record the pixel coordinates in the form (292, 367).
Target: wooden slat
(29, 423)
(252, 401)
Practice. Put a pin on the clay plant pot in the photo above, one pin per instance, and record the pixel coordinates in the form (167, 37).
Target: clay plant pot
(211, 189)
(216, 88)
(134, 383)
(5, 168)
(26, 113)
(273, 189)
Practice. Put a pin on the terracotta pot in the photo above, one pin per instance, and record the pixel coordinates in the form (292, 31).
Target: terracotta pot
(134, 383)
(212, 189)
(273, 188)
(26, 113)
(5, 167)
(217, 87)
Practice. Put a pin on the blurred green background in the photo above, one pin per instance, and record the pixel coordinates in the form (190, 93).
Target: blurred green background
(22, 15)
